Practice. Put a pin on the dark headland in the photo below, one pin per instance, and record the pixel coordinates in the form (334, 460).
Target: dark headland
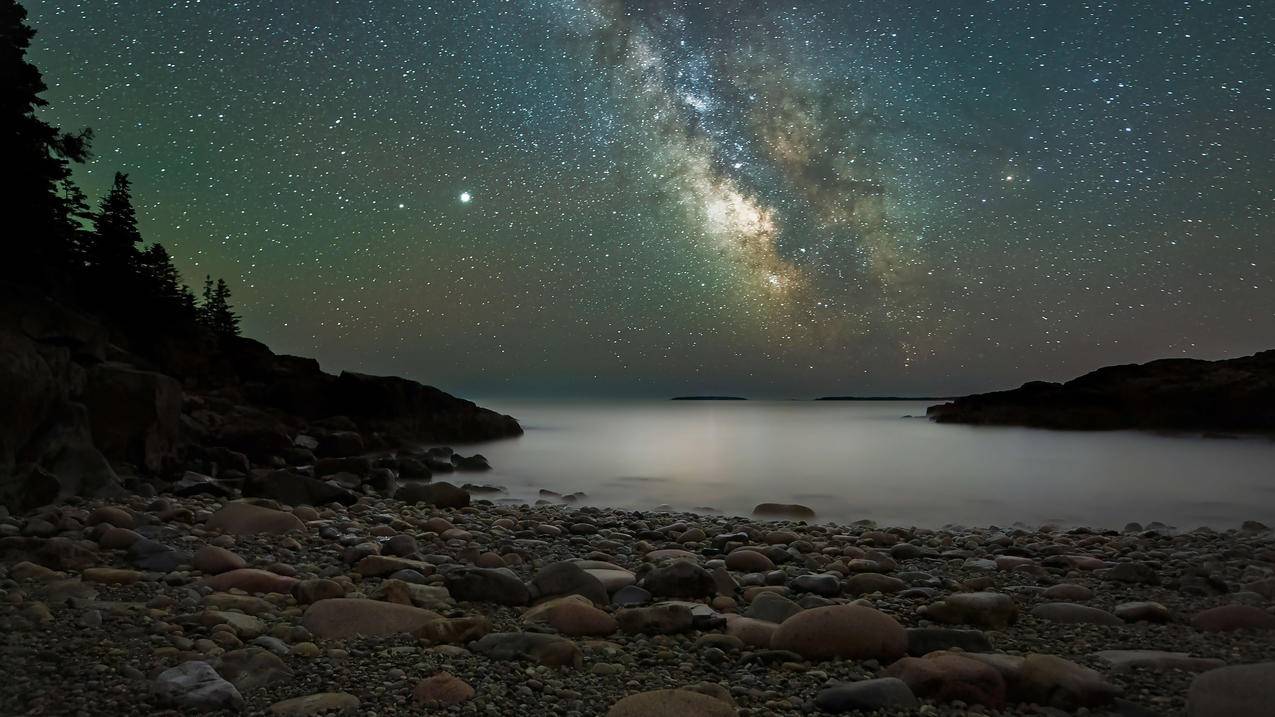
(708, 398)
(883, 398)
(1231, 395)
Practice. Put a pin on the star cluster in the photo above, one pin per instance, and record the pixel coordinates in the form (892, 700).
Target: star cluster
(774, 198)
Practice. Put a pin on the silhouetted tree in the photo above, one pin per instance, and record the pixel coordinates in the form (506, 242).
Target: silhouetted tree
(162, 290)
(36, 165)
(114, 249)
(216, 314)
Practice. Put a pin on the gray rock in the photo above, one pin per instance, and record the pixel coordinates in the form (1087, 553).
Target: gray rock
(497, 585)
(772, 607)
(683, 579)
(825, 585)
(197, 686)
(886, 693)
(567, 578)
(630, 596)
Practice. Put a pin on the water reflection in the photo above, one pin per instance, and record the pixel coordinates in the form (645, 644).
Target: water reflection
(851, 460)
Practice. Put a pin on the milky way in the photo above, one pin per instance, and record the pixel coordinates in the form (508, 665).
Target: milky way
(651, 196)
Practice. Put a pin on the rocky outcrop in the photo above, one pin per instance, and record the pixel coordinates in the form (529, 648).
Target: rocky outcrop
(1232, 395)
(46, 441)
(78, 408)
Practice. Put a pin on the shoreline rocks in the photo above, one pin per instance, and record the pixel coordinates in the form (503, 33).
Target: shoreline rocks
(559, 609)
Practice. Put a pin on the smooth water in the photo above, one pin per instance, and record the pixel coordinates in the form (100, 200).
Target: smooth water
(854, 460)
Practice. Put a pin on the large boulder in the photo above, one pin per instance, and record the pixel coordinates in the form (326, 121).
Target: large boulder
(842, 631)
(495, 585)
(46, 440)
(681, 579)
(340, 618)
(547, 650)
(567, 578)
(248, 519)
(681, 702)
(196, 687)
(441, 494)
(1232, 691)
(135, 415)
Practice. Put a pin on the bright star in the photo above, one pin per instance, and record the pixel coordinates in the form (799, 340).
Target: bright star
(465, 197)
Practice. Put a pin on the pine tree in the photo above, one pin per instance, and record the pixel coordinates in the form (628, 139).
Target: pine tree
(216, 314)
(37, 157)
(114, 250)
(224, 321)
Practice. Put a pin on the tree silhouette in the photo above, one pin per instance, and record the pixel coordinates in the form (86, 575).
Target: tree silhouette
(216, 314)
(114, 249)
(36, 167)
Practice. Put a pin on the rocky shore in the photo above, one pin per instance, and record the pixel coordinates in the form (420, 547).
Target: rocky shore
(439, 602)
(1177, 395)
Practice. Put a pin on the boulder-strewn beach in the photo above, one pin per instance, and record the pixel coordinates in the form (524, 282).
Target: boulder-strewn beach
(143, 604)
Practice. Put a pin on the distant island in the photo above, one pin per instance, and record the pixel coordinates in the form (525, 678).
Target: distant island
(1231, 395)
(708, 398)
(884, 398)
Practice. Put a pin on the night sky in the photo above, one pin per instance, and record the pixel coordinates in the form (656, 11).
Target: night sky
(651, 196)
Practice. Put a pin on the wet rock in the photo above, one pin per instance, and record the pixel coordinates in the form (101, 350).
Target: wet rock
(1136, 573)
(842, 631)
(196, 686)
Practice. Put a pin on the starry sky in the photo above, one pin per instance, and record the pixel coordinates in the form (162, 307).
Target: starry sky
(642, 197)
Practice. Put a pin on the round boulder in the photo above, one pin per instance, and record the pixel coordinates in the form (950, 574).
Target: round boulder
(847, 631)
